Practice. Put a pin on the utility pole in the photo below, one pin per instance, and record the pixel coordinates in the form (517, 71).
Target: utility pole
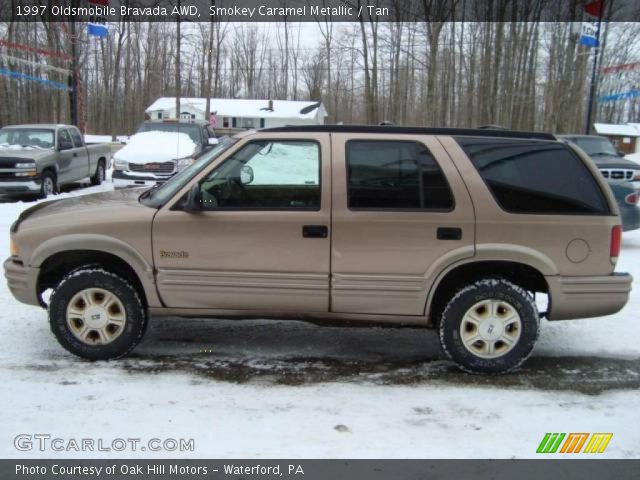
(594, 73)
(73, 83)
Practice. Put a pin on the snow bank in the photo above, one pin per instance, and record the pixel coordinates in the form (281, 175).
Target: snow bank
(148, 147)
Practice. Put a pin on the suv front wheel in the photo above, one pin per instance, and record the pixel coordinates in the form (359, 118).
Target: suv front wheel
(490, 326)
(96, 314)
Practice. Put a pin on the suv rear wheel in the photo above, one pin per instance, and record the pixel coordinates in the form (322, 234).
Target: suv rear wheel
(96, 315)
(489, 327)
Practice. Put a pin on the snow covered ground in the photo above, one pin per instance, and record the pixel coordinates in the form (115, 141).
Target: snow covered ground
(288, 389)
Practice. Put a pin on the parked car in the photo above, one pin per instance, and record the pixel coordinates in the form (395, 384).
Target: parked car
(610, 162)
(628, 198)
(40, 158)
(453, 229)
(159, 150)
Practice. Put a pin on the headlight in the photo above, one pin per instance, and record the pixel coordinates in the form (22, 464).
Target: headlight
(120, 164)
(25, 165)
(183, 163)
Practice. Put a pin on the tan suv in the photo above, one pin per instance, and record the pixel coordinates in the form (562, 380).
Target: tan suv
(454, 229)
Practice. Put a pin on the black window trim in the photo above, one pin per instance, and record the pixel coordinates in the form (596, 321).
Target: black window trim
(395, 210)
(603, 197)
(271, 209)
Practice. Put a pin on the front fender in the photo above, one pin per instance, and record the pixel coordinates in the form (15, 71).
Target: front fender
(100, 243)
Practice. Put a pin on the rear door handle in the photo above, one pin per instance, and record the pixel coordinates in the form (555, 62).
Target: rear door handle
(449, 233)
(315, 231)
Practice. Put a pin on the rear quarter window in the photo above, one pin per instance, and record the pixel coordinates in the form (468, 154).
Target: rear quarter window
(535, 177)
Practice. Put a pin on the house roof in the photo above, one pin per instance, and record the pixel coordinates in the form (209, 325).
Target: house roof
(239, 107)
(629, 130)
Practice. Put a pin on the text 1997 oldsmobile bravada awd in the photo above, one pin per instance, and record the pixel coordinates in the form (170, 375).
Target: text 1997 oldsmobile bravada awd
(455, 229)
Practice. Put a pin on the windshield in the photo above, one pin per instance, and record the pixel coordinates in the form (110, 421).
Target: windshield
(190, 129)
(158, 195)
(26, 138)
(596, 146)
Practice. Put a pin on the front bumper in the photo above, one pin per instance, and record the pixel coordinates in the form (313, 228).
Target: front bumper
(22, 281)
(585, 297)
(122, 179)
(32, 185)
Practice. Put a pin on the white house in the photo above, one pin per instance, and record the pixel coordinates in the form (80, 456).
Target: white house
(242, 113)
(626, 138)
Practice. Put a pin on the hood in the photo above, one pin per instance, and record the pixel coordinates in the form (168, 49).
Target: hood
(17, 153)
(80, 208)
(614, 162)
(147, 147)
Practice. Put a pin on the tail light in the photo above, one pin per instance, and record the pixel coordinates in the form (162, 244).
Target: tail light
(632, 198)
(616, 238)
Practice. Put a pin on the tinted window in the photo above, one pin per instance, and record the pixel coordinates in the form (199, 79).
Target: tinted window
(77, 138)
(535, 177)
(283, 175)
(395, 175)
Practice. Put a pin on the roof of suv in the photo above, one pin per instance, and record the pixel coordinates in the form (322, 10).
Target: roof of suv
(463, 132)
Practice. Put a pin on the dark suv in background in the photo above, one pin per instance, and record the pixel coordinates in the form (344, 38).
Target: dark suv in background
(623, 175)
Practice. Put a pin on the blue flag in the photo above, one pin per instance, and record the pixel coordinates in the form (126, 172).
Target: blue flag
(97, 29)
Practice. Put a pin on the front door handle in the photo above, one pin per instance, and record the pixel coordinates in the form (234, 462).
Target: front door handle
(449, 233)
(315, 231)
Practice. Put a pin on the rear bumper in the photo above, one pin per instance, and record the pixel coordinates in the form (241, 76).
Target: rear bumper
(22, 281)
(585, 297)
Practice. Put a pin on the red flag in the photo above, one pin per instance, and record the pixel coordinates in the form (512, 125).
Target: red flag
(594, 8)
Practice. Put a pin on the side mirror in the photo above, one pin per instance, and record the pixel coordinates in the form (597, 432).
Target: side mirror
(246, 175)
(193, 202)
(213, 141)
(64, 146)
(620, 153)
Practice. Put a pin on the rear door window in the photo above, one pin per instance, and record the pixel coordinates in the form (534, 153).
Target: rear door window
(395, 175)
(535, 177)
(77, 138)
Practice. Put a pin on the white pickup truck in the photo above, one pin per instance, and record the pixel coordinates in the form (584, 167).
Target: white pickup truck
(40, 158)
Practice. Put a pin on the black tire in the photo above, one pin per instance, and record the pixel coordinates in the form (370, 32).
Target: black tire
(99, 176)
(504, 293)
(128, 336)
(48, 184)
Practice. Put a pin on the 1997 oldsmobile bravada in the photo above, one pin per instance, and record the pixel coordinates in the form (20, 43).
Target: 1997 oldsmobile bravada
(455, 229)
